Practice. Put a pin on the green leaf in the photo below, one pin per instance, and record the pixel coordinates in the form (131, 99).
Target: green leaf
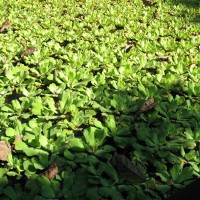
(33, 123)
(109, 170)
(27, 164)
(175, 171)
(110, 192)
(92, 194)
(40, 198)
(96, 123)
(47, 191)
(164, 176)
(29, 151)
(3, 180)
(37, 164)
(80, 183)
(182, 151)
(110, 123)
(51, 104)
(33, 186)
(7, 108)
(160, 166)
(89, 135)
(65, 102)
(10, 132)
(69, 155)
(9, 192)
(123, 142)
(95, 70)
(76, 144)
(191, 155)
(44, 158)
(43, 181)
(189, 144)
(43, 141)
(37, 106)
(53, 88)
(123, 131)
(16, 105)
(94, 137)
(187, 173)
(142, 89)
(163, 188)
(19, 145)
(68, 181)
(161, 110)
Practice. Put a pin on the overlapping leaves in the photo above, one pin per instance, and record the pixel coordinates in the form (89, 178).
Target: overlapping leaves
(79, 85)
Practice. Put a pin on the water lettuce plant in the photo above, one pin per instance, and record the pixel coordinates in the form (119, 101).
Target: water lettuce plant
(98, 99)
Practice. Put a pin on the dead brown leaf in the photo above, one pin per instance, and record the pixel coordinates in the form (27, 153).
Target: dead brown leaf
(18, 138)
(155, 15)
(148, 3)
(163, 58)
(51, 172)
(195, 34)
(170, 182)
(128, 48)
(28, 51)
(147, 105)
(127, 169)
(5, 26)
(5, 150)
(23, 42)
(171, 13)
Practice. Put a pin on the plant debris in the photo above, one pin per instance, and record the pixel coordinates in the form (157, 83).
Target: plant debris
(147, 105)
(163, 58)
(51, 172)
(18, 138)
(28, 51)
(128, 170)
(148, 3)
(5, 26)
(5, 150)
